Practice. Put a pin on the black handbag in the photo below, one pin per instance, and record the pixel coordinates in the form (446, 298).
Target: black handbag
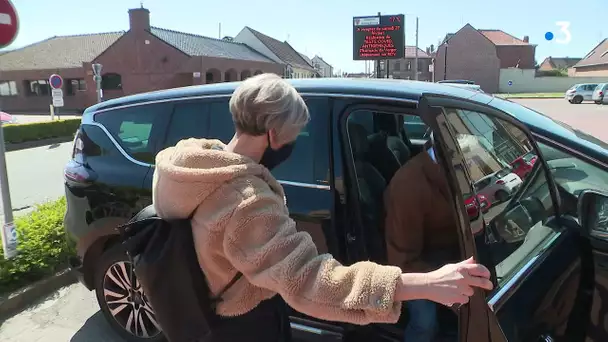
(166, 266)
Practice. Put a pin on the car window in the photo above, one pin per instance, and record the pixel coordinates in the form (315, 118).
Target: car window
(301, 165)
(573, 175)
(133, 128)
(519, 208)
(415, 128)
(503, 173)
(221, 125)
(189, 120)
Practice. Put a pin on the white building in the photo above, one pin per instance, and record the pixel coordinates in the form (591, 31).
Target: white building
(323, 68)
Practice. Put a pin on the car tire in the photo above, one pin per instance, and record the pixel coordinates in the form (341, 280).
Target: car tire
(597, 102)
(501, 195)
(124, 307)
(577, 100)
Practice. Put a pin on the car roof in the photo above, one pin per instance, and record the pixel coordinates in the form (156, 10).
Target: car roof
(387, 88)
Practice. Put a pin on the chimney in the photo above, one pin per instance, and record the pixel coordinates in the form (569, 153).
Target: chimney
(526, 39)
(139, 19)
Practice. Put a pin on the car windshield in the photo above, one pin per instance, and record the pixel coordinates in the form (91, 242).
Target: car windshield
(504, 172)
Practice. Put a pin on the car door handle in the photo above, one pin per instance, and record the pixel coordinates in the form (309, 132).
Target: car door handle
(546, 338)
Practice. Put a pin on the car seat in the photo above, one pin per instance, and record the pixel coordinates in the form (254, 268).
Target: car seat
(390, 151)
(371, 192)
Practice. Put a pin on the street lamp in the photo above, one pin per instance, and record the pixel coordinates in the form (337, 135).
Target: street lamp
(445, 62)
(97, 79)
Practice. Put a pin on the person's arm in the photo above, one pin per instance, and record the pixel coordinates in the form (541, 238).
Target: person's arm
(404, 224)
(261, 241)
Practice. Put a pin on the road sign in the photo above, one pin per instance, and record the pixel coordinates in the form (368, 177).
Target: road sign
(56, 92)
(9, 23)
(510, 83)
(57, 101)
(55, 81)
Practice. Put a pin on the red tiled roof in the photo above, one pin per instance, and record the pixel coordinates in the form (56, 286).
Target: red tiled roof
(597, 56)
(499, 37)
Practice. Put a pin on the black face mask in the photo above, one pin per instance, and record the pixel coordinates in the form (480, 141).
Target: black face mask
(272, 158)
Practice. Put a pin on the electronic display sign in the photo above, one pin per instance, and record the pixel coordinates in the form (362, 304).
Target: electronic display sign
(378, 37)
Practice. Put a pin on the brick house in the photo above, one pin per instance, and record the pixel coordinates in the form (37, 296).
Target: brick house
(595, 63)
(557, 63)
(478, 55)
(280, 52)
(404, 68)
(142, 59)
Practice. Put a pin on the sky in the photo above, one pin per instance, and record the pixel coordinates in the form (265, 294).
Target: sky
(323, 27)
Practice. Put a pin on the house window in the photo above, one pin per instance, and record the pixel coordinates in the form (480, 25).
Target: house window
(75, 85)
(111, 81)
(8, 88)
(37, 88)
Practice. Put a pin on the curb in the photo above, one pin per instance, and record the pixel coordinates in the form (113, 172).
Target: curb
(37, 143)
(19, 300)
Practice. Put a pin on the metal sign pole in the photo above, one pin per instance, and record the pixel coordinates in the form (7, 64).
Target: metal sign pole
(9, 234)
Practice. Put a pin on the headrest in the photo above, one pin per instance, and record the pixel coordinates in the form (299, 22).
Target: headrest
(387, 123)
(358, 139)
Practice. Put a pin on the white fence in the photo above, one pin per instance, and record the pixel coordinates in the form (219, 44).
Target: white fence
(525, 81)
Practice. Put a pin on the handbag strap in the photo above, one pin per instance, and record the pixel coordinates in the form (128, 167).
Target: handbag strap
(233, 281)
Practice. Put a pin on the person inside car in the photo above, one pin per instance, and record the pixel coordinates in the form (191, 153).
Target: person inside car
(241, 223)
(420, 231)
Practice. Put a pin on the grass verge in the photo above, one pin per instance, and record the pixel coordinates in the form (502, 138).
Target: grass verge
(42, 250)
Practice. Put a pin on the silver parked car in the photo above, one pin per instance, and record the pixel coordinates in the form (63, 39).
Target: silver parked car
(599, 93)
(580, 92)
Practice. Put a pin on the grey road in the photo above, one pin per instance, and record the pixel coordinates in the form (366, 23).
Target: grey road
(72, 314)
(587, 117)
(35, 175)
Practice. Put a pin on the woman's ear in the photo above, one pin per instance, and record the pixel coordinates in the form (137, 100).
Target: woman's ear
(273, 138)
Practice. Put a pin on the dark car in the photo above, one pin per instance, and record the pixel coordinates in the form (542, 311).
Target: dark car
(548, 261)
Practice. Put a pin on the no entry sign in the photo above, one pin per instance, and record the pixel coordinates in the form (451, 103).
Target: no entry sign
(56, 81)
(9, 23)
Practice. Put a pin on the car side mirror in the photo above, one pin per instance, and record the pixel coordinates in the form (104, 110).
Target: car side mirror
(593, 213)
(513, 225)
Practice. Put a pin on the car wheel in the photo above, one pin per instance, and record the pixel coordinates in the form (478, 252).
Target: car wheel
(598, 102)
(577, 99)
(123, 304)
(501, 195)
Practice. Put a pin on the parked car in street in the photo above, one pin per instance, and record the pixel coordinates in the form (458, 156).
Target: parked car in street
(546, 246)
(599, 92)
(580, 92)
(523, 165)
(475, 206)
(498, 186)
(6, 118)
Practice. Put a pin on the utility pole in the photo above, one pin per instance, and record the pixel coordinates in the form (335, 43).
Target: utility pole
(219, 32)
(416, 53)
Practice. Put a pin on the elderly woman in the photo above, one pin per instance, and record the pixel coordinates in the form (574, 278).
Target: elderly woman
(242, 225)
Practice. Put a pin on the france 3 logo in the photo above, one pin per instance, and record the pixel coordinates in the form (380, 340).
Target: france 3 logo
(565, 35)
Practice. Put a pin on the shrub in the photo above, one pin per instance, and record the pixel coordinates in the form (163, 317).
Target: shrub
(42, 250)
(17, 133)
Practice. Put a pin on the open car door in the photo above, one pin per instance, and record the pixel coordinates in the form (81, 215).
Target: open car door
(532, 251)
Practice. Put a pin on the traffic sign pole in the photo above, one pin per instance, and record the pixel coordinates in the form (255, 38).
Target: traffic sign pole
(9, 233)
(9, 26)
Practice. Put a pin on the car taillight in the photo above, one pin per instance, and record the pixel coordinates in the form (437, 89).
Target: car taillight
(601, 93)
(77, 147)
(500, 182)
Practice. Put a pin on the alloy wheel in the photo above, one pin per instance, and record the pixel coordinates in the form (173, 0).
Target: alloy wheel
(128, 303)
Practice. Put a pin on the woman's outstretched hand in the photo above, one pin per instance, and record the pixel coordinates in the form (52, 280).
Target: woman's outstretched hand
(454, 283)
(449, 285)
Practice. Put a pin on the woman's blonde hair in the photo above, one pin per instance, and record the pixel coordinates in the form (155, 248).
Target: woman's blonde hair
(266, 102)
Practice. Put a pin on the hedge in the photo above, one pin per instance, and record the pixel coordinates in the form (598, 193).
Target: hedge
(18, 133)
(42, 249)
